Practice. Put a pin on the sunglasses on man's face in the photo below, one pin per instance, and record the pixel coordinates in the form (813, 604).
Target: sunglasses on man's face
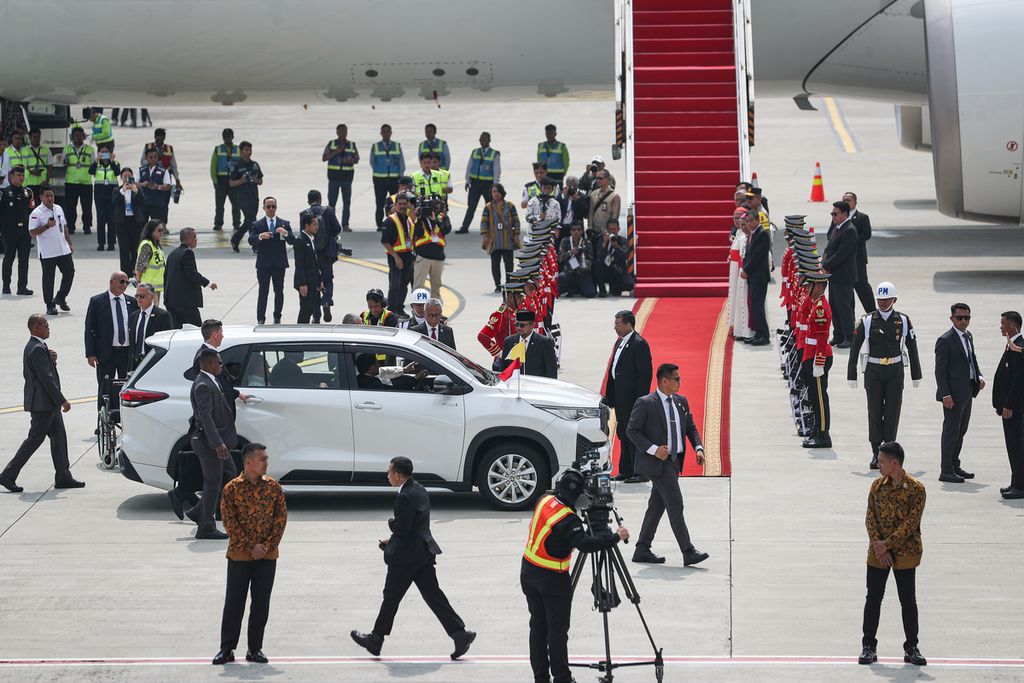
(961, 317)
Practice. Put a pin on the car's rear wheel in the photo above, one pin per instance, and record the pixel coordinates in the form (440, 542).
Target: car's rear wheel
(512, 476)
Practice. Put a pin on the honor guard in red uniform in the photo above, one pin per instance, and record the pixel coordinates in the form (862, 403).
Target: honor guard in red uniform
(817, 361)
(502, 323)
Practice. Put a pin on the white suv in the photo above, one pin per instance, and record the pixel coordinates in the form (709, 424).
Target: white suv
(459, 423)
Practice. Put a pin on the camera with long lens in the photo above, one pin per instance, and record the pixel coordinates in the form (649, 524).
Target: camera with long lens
(597, 499)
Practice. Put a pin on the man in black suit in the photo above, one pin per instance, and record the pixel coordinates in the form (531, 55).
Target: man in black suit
(326, 249)
(44, 402)
(269, 237)
(213, 436)
(756, 270)
(107, 335)
(307, 278)
(958, 380)
(145, 322)
(840, 260)
(1008, 401)
(540, 350)
(657, 427)
(628, 378)
(862, 222)
(183, 283)
(410, 555)
(433, 327)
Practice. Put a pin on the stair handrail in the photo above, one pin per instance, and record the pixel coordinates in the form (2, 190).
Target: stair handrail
(744, 53)
(624, 73)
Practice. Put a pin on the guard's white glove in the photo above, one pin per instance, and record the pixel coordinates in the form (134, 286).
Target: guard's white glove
(819, 371)
(852, 383)
(917, 383)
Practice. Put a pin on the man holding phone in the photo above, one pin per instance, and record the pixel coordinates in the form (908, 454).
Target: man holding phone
(50, 228)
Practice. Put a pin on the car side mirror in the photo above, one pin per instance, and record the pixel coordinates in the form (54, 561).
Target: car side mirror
(443, 384)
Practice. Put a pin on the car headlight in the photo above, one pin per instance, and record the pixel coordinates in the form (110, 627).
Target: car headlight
(571, 414)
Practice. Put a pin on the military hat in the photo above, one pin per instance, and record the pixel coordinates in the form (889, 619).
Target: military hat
(512, 286)
(524, 262)
(799, 232)
(529, 269)
(817, 277)
(526, 316)
(804, 248)
(531, 250)
(809, 264)
(795, 220)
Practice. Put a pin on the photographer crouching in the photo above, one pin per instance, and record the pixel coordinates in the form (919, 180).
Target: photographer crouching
(554, 531)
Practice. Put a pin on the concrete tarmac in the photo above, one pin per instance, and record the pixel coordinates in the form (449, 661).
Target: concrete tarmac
(105, 584)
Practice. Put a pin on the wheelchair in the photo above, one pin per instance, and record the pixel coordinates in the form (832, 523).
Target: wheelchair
(108, 422)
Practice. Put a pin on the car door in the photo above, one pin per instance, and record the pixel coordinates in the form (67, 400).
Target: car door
(300, 409)
(406, 418)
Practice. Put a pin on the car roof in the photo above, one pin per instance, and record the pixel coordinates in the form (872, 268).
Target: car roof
(263, 334)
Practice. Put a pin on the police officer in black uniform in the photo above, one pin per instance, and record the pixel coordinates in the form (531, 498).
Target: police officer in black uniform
(16, 203)
(554, 531)
(891, 341)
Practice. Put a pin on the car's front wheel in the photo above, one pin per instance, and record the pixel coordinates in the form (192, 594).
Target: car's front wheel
(512, 476)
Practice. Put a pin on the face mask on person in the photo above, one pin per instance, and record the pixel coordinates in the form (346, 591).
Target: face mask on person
(105, 156)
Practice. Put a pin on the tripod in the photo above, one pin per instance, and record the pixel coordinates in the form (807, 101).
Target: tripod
(605, 566)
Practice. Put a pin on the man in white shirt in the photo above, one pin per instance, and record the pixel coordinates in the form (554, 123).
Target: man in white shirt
(53, 242)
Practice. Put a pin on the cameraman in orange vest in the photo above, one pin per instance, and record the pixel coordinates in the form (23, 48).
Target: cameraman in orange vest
(554, 531)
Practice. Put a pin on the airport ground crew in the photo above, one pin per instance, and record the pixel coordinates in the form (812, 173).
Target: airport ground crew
(388, 165)
(16, 205)
(435, 145)
(482, 173)
(165, 154)
(396, 236)
(889, 342)
(78, 158)
(426, 181)
(224, 155)
(105, 174)
(532, 188)
(553, 154)
(405, 185)
(817, 361)
(37, 160)
(101, 134)
(341, 156)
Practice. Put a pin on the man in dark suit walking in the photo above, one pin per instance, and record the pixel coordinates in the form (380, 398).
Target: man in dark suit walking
(756, 270)
(410, 555)
(44, 402)
(269, 237)
(540, 350)
(107, 335)
(307, 279)
(862, 222)
(628, 378)
(840, 259)
(657, 427)
(213, 437)
(958, 380)
(145, 322)
(327, 250)
(1008, 401)
(433, 327)
(183, 283)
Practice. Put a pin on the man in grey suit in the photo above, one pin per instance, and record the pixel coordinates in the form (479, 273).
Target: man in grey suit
(44, 402)
(657, 427)
(957, 382)
(213, 437)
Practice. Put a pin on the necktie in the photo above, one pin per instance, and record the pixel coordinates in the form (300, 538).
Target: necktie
(271, 225)
(140, 334)
(120, 321)
(433, 333)
(970, 353)
(673, 445)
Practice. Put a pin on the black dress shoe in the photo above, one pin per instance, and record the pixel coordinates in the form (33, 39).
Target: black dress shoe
(818, 442)
(176, 505)
(463, 639)
(63, 305)
(223, 657)
(1004, 489)
(370, 642)
(211, 535)
(234, 247)
(645, 555)
(24, 292)
(1013, 494)
(913, 656)
(637, 479)
(256, 656)
(964, 473)
(462, 231)
(623, 477)
(759, 341)
(867, 656)
(7, 290)
(101, 248)
(193, 513)
(69, 484)
(951, 478)
(694, 556)
(845, 344)
(10, 485)
(874, 463)
(327, 314)
(51, 310)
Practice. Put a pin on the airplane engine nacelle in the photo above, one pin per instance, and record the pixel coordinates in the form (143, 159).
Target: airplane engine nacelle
(976, 106)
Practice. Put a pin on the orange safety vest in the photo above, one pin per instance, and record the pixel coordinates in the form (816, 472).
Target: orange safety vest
(549, 512)
(428, 236)
(402, 245)
(165, 156)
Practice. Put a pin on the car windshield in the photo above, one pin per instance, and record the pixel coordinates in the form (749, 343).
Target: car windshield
(481, 375)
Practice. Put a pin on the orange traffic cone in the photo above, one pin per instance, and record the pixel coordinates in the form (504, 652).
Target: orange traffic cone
(817, 187)
(753, 179)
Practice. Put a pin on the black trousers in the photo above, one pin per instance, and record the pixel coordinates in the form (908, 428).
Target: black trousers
(221, 192)
(866, 294)
(75, 194)
(757, 290)
(840, 298)
(382, 187)
(499, 256)
(550, 614)
(478, 189)
(216, 473)
(400, 577)
(255, 577)
(308, 305)
(43, 424)
(577, 282)
(1013, 435)
(249, 209)
(158, 211)
(341, 180)
(665, 497)
(66, 265)
(616, 282)
(17, 244)
(327, 275)
(955, 422)
(105, 233)
(188, 478)
(263, 278)
(399, 280)
(128, 236)
(115, 367)
(817, 395)
(180, 316)
(906, 587)
(884, 387)
(627, 458)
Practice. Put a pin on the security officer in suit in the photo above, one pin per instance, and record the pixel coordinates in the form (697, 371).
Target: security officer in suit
(16, 203)
(1008, 402)
(307, 278)
(44, 402)
(658, 425)
(862, 222)
(433, 326)
(145, 322)
(327, 247)
(958, 381)
(183, 284)
(268, 237)
(410, 555)
(544, 576)
(756, 270)
(540, 350)
(213, 436)
(889, 341)
(840, 260)
(628, 378)
(107, 332)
